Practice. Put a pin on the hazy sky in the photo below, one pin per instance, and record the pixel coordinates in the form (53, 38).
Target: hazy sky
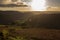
(53, 3)
(50, 3)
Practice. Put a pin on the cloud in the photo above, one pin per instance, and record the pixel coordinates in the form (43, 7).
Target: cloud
(53, 3)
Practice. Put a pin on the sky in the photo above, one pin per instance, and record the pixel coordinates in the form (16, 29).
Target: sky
(52, 3)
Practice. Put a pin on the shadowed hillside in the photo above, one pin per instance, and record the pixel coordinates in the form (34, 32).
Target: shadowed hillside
(6, 17)
(46, 20)
(29, 25)
(31, 19)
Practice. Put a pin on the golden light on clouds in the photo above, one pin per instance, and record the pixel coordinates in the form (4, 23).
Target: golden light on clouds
(6, 2)
(39, 5)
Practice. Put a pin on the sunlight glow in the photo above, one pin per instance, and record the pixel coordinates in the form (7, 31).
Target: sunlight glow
(39, 5)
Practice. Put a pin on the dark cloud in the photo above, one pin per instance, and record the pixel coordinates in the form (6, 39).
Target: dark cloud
(14, 0)
(48, 2)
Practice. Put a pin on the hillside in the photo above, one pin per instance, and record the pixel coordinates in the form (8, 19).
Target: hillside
(45, 19)
(48, 19)
(6, 17)
(16, 25)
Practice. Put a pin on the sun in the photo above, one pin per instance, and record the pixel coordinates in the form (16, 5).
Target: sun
(38, 5)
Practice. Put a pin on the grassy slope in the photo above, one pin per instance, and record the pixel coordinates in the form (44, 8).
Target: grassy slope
(35, 33)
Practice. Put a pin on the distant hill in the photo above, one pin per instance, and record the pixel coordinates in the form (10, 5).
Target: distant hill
(47, 20)
(7, 17)
(31, 19)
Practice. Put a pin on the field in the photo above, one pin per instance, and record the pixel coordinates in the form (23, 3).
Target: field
(30, 33)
